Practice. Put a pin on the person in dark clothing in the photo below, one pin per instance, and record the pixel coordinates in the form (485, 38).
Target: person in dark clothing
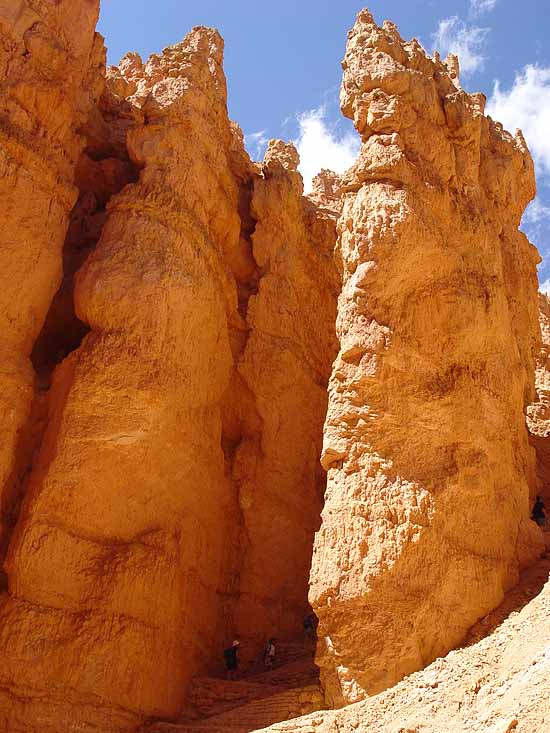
(269, 654)
(231, 658)
(539, 513)
(310, 627)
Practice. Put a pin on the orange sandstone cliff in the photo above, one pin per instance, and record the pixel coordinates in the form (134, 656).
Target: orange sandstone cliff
(172, 488)
(538, 414)
(50, 63)
(168, 335)
(426, 517)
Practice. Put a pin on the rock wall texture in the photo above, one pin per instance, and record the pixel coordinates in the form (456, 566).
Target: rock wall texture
(426, 519)
(131, 466)
(167, 318)
(171, 488)
(538, 414)
(50, 61)
(497, 683)
(285, 366)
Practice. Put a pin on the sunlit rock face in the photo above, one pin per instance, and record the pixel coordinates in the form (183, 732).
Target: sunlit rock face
(167, 327)
(170, 485)
(426, 519)
(50, 76)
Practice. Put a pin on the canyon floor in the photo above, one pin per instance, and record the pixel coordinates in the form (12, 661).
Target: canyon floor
(498, 681)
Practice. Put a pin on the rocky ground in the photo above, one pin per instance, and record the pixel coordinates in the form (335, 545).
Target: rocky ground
(497, 682)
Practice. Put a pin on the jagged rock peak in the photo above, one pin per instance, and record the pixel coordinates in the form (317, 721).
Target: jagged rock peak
(327, 190)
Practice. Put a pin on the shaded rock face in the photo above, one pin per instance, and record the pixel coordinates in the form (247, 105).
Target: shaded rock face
(171, 485)
(426, 519)
(538, 414)
(50, 63)
(285, 366)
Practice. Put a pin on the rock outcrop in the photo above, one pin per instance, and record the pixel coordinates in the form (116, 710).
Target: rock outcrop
(50, 64)
(285, 366)
(327, 191)
(174, 489)
(426, 519)
(498, 683)
(167, 336)
(538, 414)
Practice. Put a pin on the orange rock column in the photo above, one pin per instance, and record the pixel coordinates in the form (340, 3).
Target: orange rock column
(118, 557)
(285, 365)
(50, 63)
(426, 519)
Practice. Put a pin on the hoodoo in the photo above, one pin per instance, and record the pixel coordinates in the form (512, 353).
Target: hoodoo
(426, 518)
(172, 315)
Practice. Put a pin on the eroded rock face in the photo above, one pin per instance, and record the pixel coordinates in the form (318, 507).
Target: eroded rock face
(176, 490)
(285, 366)
(169, 462)
(50, 63)
(327, 191)
(538, 414)
(130, 480)
(426, 521)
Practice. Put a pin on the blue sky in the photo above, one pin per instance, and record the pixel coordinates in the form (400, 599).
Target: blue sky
(282, 62)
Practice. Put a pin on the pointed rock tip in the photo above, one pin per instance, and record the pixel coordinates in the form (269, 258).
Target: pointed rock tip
(278, 151)
(365, 16)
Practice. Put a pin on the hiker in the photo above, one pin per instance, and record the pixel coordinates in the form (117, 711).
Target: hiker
(269, 654)
(539, 513)
(310, 626)
(231, 658)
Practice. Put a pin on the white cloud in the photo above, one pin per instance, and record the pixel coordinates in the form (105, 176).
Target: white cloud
(536, 212)
(467, 42)
(527, 106)
(536, 222)
(256, 143)
(478, 7)
(321, 146)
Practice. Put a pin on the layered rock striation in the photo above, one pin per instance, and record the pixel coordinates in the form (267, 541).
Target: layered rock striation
(167, 337)
(426, 519)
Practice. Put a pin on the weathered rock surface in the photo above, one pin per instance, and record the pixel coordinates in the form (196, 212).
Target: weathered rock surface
(50, 61)
(538, 414)
(285, 365)
(426, 520)
(498, 683)
(327, 191)
(176, 488)
(160, 473)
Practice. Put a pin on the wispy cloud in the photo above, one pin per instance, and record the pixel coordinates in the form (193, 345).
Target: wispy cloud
(256, 143)
(467, 42)
(320, 145)
(479, 7)
(536, 212)
(535, 223)
(527, 105)
(544, 287)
